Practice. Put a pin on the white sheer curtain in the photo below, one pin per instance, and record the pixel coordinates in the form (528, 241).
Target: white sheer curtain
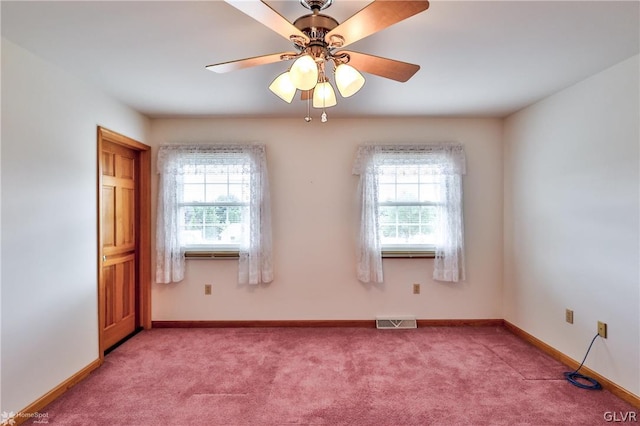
(369, 249)
(447, 160)
(255, 264)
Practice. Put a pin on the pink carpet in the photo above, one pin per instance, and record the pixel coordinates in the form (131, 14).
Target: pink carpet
(330, 376)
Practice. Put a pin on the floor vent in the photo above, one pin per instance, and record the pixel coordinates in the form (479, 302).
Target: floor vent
(396, 322)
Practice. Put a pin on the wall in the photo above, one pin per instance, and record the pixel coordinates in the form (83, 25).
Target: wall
(315, 217)
(571, 221)
(49, 242)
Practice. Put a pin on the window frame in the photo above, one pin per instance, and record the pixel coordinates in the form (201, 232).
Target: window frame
(405, 250)
(212, 251)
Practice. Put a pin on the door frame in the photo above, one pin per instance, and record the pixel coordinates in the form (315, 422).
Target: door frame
(143, 229)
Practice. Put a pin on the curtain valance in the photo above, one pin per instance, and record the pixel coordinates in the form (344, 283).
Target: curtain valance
(443, 158)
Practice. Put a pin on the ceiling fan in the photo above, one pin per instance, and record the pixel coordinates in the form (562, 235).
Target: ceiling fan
(318, 40)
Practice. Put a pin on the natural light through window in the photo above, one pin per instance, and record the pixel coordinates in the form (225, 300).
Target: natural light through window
(214, 201)
(407, 198)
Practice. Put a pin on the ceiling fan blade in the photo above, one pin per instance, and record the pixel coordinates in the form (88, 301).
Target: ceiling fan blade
(374, 17)
(249, 62)
(383, 67)
(263, 13)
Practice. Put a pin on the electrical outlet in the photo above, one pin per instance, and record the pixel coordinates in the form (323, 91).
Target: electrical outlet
(207, 289)
(568, 316)
(416, 288)
(602, 329)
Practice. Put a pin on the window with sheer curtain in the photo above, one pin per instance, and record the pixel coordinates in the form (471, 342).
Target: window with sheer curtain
(411, 203)
(213, 198)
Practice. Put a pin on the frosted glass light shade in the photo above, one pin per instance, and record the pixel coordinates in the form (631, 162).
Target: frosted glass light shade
(324, 96)
(304, 73)
(283, 87)
(348, 80)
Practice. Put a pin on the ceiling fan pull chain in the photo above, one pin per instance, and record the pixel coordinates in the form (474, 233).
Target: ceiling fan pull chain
(308, 117)
(323, 117)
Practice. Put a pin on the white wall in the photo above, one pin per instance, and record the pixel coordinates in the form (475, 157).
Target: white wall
(315, 219)
(49, 225)
(571, 221)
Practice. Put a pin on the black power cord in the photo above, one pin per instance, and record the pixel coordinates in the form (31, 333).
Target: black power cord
(573, 376)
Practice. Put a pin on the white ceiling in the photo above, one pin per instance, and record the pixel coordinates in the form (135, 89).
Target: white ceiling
(477, 58)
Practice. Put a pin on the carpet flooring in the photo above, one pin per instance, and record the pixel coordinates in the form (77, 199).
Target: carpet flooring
(330, 376)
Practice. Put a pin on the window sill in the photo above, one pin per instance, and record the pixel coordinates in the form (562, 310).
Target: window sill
(408, 254)
(211, 255)
(218, 255)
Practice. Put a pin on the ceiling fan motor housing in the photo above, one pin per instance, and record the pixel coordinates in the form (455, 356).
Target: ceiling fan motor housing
(316, 26)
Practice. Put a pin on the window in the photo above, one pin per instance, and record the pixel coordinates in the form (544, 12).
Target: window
(213, 198)
(411, 204)
(407, 207)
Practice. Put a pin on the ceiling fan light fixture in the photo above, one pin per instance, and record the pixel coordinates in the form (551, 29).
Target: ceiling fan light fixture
(349, 80)
(324, 96)
(283, 87)
(304, 73)
(315, 37)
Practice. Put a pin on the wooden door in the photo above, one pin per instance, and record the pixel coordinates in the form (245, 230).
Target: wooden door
(117, 292)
